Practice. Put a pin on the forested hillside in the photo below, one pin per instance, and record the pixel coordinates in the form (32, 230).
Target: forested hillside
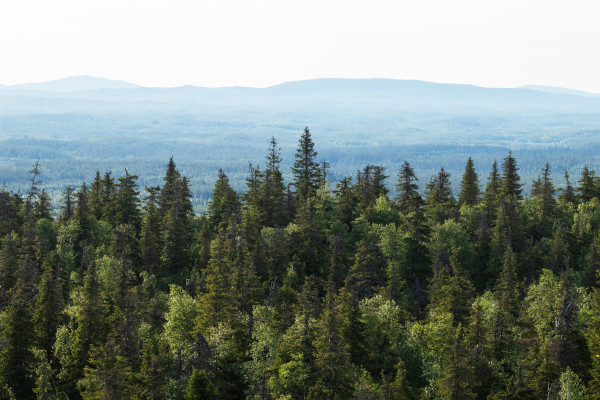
(319, 289)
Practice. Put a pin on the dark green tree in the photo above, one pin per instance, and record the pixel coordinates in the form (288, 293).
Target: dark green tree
(469, 186)
(439, 199)
(306, 170)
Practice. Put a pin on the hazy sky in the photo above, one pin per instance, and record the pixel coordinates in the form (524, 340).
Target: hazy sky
(263, 42)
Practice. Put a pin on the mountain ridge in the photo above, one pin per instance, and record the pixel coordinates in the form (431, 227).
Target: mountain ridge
(91, 83)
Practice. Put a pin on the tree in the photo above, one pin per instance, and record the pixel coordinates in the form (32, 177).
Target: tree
(469, 186)
(274, 187)
(571, 386)
(108, 375)
(450, 292)
(490, 196)
(89, 329)
(306, 170)
(332, 356)
(150, 235)
(15, 353)
(543, 194)
(224, 203)
(587, 188)
(367, 275)
(567, 195)
(457, 373)
(510, 183)
(408, 199)
(199, 387)
(128, 201)
(439, 198)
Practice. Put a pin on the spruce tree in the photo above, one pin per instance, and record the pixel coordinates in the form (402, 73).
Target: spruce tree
(224, 203)
(490, 196)
(332, 356)
(543, 194)
(127, 201)
(439, 199)
(306, 170)
(469, 187)
(587, 187)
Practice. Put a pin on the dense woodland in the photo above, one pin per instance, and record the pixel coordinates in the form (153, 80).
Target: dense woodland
(312, 290)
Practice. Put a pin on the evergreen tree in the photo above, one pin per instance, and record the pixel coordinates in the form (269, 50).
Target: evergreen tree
(48, 306)
(543, 195)
(127, 201)
(332, 356)
(274, 187)
(307, 173)
(89, 329)
(409, 200)
(450, 292)
(367, 275)
(490, 196)
(587, 188)
(506, 297)
(150, 236)
(219, 301)
(346, 201)
(224, 203)
(567, 195)
(439, 199)
(469, 187)
(16, 357)
(510, 183)
(457, 375)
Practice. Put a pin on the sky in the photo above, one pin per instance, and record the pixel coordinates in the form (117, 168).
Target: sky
(259, 43)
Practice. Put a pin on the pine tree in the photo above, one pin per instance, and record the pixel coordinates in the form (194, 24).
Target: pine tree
(306, 170)
(469, 187)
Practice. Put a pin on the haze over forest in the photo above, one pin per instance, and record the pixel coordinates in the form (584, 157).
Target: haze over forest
(78, 125)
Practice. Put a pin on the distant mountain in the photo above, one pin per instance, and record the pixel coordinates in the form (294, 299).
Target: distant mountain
(560, 90)
(73, 84)
(85, 94)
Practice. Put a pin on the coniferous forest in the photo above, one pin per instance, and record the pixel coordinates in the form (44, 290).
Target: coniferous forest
(310, 289)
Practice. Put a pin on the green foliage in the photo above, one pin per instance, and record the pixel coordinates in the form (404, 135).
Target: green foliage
(310, 294)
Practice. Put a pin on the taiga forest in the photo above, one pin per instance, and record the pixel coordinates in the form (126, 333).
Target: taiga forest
(376, 285)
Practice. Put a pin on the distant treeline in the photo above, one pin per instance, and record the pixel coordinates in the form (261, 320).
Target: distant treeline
(322, 287)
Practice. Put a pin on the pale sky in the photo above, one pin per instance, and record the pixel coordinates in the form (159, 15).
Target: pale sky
(259, 43)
